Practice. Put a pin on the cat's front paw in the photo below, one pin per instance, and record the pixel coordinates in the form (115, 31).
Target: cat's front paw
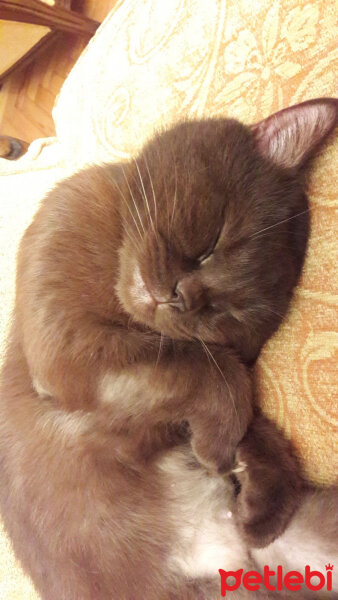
(214, 455)
(268, 484)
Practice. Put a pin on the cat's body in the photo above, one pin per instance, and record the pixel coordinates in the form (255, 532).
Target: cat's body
(88, 525)
(141, 296)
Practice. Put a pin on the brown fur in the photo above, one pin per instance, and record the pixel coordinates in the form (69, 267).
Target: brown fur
(271, 477)
(143, 292)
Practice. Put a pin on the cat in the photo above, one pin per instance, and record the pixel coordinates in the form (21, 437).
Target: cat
(144, 294)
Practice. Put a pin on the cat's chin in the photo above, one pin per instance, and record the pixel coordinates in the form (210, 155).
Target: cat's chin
(166, 322)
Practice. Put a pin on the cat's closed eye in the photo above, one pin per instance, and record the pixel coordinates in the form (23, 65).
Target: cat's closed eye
(211, 249)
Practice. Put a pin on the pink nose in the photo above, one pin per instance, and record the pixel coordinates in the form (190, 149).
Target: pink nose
(177, 300)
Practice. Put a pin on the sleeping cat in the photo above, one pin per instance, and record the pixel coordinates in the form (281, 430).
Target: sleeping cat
(144, 294)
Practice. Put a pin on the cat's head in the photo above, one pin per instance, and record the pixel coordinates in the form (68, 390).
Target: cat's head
(215, 222)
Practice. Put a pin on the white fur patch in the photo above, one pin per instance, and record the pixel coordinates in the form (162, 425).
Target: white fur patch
(41, 391)
(68, 425)
(139, 291)
(203, 548)
(205, 534)
(132, 389)
(114, 388)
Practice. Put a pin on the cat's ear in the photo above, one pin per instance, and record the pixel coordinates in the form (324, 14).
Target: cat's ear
(291, 136)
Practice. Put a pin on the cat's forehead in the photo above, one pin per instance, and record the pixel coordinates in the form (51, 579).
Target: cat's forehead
(195, 161)
(191, 210)
(196, 176)
(198, 134)
(191, 150)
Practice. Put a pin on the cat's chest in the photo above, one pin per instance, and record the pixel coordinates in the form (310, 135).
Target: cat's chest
(133, 390)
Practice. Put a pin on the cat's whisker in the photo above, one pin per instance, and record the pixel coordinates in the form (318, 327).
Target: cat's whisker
(127, 205)
(159, 350)
(145, 197)
(132, 239)
(130, 320)
(274, 312)
(175, 199)
(162, 171)
(281, 222)
(152, 188)
(222, 375)
(272, 233)
(135, 204)
(167, 203)
(131, 236)
(206, 353)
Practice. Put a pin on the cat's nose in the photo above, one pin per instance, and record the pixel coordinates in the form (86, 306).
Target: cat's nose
(177, 300)
(188, 294)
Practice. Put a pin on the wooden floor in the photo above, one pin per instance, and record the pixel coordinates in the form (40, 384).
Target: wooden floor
(27, 96)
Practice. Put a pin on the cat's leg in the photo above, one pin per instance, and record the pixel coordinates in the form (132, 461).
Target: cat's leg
(310, 539)
(214, 397)
(221, 410)
(270, 483)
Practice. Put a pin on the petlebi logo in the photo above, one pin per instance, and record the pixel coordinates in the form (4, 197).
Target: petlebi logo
(276, 580)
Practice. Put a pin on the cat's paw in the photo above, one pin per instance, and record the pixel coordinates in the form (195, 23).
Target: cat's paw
(269, 484)
(217, 457)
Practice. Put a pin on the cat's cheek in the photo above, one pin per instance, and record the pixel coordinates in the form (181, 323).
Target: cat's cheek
(140, 295)
(131, 289)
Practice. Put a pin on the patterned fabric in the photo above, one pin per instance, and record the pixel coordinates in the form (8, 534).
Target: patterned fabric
(151, 63)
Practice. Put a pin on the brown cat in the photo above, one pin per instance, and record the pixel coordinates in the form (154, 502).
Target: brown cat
(144, 290)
